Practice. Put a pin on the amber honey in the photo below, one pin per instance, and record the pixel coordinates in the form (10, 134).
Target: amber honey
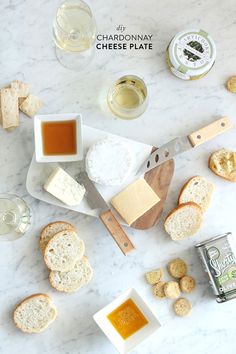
(127, 319)
(59, 137)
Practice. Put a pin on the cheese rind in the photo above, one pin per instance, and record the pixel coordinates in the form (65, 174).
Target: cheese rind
(62, 186)
(109, 162)
(135, 200)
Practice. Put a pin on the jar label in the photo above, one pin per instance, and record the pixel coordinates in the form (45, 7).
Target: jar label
(193, 51)
(222, 265)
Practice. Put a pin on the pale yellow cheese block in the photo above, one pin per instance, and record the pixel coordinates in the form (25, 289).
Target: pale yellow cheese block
(135, 200)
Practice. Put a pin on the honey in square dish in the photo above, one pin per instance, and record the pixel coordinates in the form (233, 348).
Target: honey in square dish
(127, 319)
(59, 137)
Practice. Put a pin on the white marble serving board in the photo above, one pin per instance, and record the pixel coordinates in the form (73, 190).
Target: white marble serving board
(39, 172)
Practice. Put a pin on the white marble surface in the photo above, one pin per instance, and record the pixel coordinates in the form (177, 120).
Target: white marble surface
(176, 107)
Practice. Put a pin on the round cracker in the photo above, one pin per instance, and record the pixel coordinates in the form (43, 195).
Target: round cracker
(187, 284)
(231, 84)
(172, 290)
(177, 268)
(158, 289)
(182, 307)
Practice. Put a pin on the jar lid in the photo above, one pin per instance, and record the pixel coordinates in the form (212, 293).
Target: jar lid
(192, 52)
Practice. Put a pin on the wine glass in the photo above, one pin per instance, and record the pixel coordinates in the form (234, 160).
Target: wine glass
(128, 97)
(15, 217)
(74, 33)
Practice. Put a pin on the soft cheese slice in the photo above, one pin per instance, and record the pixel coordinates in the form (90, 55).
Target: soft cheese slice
(109, 162)
(64, 187)
(135, 200)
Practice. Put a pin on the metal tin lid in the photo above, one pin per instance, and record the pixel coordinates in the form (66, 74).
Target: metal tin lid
(210, 240)
(192, 52)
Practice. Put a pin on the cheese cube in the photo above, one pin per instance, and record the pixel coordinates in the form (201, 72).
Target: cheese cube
(135, 200)
(64, 187)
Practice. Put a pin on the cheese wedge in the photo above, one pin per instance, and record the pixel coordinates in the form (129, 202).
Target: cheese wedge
(135, 200)
(64, 187)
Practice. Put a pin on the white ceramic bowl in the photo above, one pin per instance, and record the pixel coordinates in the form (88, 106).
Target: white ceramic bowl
(125, 345)
(40, 157)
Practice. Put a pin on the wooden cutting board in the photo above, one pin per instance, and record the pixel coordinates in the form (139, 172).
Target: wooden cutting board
(159, 179)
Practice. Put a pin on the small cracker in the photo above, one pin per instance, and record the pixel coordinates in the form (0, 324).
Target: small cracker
(172, 290)
(182, 307)
(9, 108)
(21, 100)
(154, 276)
(187, 284)
(177, 268)
(158, 289)
(1, 108)
(231, 84)
(31, 105)
(0, 112)
(21, 88)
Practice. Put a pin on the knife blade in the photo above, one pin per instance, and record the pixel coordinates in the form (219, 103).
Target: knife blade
(96, 201)
(93, 197)
(179, 145)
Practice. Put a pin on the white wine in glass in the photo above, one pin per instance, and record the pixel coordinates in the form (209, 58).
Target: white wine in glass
(128, 97)
(15, 217)
(74, 33)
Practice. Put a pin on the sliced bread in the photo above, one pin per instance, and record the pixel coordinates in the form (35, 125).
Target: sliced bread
(184, 221)
(52, 229)
(35, 313)
(74, 279)
(197, 190)
(63, 250)
(223, 164)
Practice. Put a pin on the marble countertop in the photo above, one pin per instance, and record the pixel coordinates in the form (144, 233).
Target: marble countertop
(175, 108)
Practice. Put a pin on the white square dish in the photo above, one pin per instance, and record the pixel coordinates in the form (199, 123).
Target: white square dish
(125, 345)
(40, 156)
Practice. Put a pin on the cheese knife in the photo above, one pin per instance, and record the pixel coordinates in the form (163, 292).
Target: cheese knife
(96, 201)
(179, 145)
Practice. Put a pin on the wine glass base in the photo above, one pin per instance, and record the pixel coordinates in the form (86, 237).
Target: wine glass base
(75, 61)
(19, 218)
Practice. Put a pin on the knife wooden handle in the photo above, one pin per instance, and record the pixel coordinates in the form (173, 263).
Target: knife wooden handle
(116, 231)
(210, 131)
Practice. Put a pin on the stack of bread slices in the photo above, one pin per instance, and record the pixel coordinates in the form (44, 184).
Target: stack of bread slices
(63, 252)
(194, 199)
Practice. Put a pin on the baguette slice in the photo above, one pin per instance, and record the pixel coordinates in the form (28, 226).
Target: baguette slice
(197, 190)
(74, 279)
(63, 250)
(35, 313)
(52, 229)
(223, 164)
(184, 221)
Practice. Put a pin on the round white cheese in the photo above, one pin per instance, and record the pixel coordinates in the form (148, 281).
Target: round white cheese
(109, 162)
